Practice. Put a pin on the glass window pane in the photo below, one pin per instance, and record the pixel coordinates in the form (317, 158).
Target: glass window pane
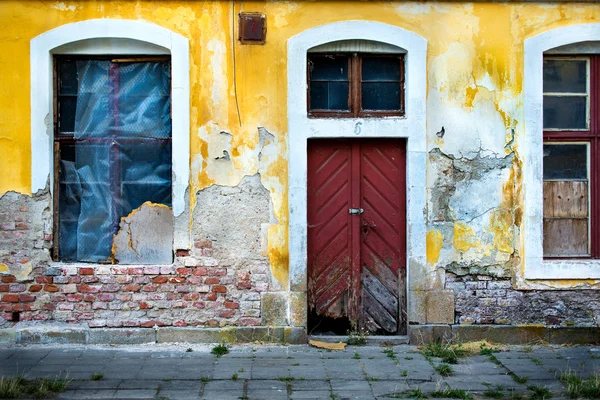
(565, 161)
(565, 112)
(67, 106)
(68, 78)
(565, 76)
(381, 69)
(381, 96)
(329, 96)
(329, 68)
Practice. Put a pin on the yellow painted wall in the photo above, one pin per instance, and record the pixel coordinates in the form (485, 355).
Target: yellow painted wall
(486, 39)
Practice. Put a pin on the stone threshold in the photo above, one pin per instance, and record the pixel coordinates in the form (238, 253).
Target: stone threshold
(77, 334)
(371, 339)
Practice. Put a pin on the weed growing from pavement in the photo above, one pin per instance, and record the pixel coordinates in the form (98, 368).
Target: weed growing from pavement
(390, 353)
(189, 350)
(517, 378)
(19, 387)
(235, 377)
(487, 351)
(451, 394)
(493, 394)
(285, 378)
(357, 337)
(404, 373)
(447, 352)
(443, 369)
(97, 376)
(408, 358)
(205, 379)
(581, 388)
(356, 356)
(220, 350)
(536, 361)
(539, 393)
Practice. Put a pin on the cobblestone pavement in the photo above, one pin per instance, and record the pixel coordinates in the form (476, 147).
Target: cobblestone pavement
(294, 372)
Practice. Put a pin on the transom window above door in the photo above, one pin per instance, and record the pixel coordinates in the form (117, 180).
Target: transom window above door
(354, 85)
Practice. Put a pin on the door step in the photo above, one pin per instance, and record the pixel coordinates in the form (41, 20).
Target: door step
(371, 340)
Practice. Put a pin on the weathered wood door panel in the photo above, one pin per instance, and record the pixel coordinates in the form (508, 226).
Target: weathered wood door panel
(357, 262)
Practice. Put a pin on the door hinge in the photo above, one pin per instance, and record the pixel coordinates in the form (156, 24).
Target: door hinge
(356, 211)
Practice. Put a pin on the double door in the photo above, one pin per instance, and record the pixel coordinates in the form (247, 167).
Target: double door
(357, 235)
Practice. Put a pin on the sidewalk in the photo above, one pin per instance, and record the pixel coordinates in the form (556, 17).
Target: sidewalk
(296, 372)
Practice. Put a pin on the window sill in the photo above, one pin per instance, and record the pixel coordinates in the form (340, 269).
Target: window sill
(563, 269)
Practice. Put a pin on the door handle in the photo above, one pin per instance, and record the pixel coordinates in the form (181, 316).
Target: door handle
(356, 211)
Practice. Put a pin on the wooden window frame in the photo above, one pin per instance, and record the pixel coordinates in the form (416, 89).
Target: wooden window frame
(355, 88)
(60, 139)
(591, 137)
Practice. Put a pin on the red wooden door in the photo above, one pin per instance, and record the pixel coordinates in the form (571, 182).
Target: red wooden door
(357, 235)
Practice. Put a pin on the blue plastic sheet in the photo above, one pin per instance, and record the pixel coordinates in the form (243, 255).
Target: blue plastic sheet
(122, 153)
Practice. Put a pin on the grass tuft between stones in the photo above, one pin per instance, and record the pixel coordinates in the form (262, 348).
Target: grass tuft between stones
(19, 387)
(220, 350)
(578, 388)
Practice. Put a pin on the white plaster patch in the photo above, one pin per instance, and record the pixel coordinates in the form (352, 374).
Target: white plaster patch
(63, 7)
(220, 84)
(473, 199)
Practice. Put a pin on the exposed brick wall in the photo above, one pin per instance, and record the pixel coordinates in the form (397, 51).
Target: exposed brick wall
(482, 299)
(195, 290)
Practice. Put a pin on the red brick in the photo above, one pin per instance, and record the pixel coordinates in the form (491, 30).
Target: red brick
(179, 323)
(106, 297)
(217, 271)
(34, 288)
(212, 281)
(149, 288)
(89, 298)
(244, 285)
(89, 288)
(136, 271)
(8, 279)
(86, 271)
(160, 279)
(88, 279)
(84, 316)
(243, 276)
(49, 306)
(43, 279)
(23, 307)
(203, 244)
(3, 288)
(26, 298)
(144, 305)
(211, 297)
(22, 226)
(51, 288)
(198, 304)
(131, 323)
(249, 321)
(191, 296)
(219, 289)
(17, 287)
(227, 313)
(177, 279)
(133, 287)
(148, 324)
(182, 252)
(200, 271)
(11, 298)
(111, 288)
(184, 271)
(231, 304)
(75, 297)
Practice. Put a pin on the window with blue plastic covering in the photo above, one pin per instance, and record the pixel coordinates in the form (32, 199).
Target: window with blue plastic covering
(112, 148)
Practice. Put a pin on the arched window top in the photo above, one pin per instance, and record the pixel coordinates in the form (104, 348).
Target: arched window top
(357, 46)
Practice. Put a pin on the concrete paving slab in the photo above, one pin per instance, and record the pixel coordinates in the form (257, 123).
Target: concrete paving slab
(221, 395)
(312, 395)
(178, 395)
(266, 394)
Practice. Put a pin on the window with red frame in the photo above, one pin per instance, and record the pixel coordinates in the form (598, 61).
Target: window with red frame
(570, 160)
